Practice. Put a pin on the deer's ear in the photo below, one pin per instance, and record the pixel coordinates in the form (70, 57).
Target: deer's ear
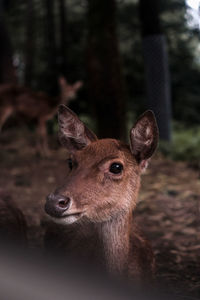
(73, 134)
(144, 137)
(62, 81)
(78, 84)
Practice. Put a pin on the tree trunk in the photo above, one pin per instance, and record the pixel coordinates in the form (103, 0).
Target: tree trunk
(51, 48)
(63, 38)
(7, 70)
(30, 45)
(157, 66)
(106, 86)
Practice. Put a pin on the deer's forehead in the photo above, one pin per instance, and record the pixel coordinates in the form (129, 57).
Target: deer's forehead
(105, 148)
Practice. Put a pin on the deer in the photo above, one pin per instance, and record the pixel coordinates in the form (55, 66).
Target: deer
(95, 205)
(38, 106)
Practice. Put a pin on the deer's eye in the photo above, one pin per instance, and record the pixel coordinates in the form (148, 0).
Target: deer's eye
(116, 168)
(70, 163)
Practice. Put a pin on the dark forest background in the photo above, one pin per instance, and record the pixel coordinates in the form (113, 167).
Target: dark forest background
(131, 55)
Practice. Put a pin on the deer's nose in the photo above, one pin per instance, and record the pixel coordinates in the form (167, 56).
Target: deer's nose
(57, 204)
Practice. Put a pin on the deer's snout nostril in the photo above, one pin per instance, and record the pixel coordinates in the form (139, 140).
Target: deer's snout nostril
(57, 204)
(64, 202)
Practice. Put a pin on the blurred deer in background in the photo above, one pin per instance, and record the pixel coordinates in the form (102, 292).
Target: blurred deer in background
(96, 202)
(15, 99)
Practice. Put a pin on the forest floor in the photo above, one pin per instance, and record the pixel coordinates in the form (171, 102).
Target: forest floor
(167, 211)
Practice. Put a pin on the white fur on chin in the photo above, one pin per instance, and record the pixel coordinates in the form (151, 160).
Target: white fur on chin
(65, 220)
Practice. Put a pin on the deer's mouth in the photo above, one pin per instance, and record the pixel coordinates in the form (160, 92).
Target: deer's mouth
(67, 218)
(77, 214)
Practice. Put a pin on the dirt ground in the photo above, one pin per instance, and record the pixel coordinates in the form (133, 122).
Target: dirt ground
(168, 207)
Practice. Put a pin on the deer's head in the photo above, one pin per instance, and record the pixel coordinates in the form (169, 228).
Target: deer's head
(103, 175)
(68, 91)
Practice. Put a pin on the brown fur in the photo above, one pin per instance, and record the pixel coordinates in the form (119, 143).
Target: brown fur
(103, 226)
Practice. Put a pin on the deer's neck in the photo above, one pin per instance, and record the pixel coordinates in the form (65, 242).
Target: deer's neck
(60, 99)
(115, 236)
(63, 99)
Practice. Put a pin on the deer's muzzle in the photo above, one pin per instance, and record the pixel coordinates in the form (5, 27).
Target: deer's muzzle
(56, 205)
